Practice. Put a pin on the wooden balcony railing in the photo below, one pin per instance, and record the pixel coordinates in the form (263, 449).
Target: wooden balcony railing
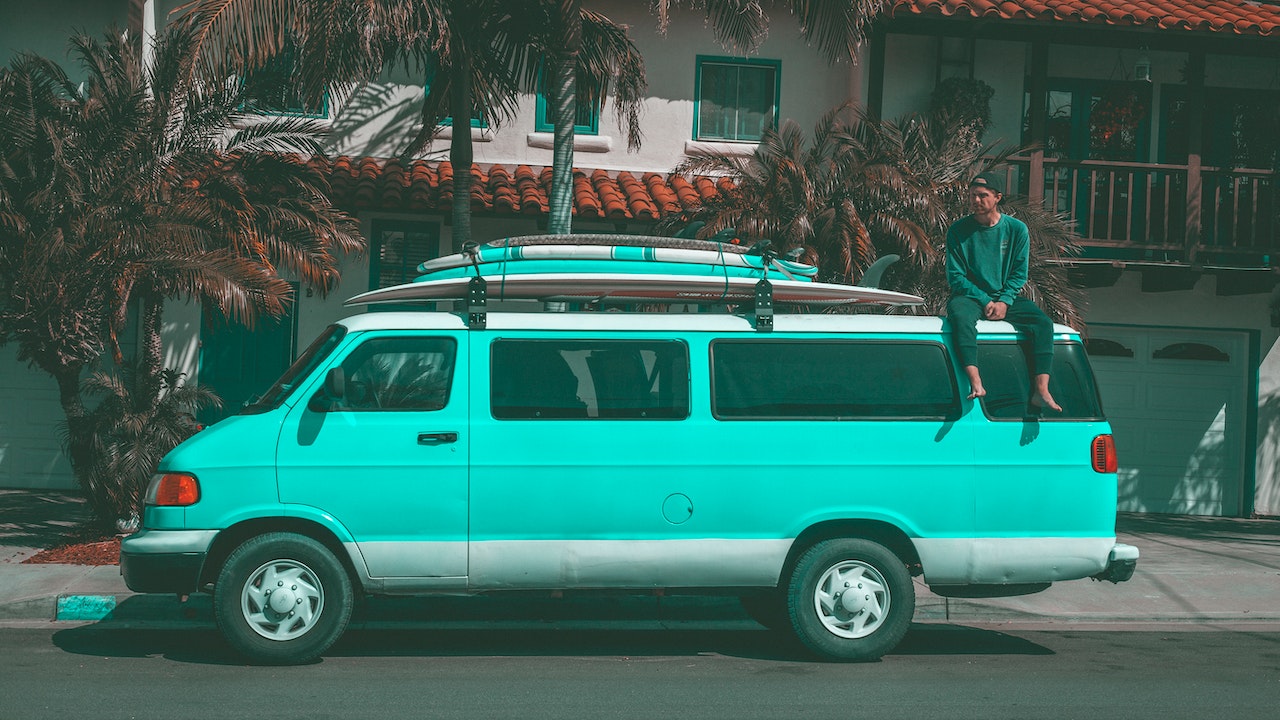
(1167, 213)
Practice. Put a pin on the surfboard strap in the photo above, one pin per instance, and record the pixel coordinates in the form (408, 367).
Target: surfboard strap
(624, 240)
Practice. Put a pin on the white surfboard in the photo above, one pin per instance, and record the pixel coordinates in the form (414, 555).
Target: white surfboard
(492, 253)
(626, 287)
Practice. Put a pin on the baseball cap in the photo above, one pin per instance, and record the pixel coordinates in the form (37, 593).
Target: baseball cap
(989, 180)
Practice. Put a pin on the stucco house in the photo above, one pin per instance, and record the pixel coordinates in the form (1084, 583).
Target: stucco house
(1157, 123)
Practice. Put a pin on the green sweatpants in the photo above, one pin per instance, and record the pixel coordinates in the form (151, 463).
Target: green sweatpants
(964, 313)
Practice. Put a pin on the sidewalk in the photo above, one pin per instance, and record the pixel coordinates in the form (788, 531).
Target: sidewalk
(1192, 570)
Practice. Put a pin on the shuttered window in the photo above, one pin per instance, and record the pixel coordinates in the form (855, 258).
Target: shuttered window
(398, 247)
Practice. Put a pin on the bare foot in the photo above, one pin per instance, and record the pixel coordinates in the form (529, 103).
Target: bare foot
(1045, 400)
(1041, 397)
(975, 382)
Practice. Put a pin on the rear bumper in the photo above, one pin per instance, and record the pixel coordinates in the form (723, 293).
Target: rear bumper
(164, 561)
(1120, 564)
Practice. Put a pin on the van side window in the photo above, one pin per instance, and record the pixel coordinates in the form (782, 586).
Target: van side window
(590, 379)
(831, 380)
(399, 373)
(1006, 374)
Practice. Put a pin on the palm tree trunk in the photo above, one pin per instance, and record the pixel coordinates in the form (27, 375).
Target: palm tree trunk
(80, 436)
(150, 353)
(461, 156)
(563, 106)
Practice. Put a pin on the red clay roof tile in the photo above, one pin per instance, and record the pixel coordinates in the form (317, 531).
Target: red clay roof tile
(386, 184)
(1242, 17)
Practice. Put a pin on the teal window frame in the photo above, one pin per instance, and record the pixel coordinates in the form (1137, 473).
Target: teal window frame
(478, 123)
(542, 121)
(770, 114)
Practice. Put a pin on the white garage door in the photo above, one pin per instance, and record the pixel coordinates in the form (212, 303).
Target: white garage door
(1176, 399)
(30, 428)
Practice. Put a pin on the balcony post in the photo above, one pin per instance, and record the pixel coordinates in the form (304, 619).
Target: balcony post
(1195, 125)
(1038, 119)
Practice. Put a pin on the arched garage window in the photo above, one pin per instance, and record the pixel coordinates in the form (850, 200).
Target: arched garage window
(1191, 351)
(1098, 347)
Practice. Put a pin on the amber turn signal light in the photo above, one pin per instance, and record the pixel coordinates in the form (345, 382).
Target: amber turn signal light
(1104, 454)
(174, 490)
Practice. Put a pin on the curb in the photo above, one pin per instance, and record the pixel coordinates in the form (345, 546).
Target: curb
(88, 608)
(480, 612)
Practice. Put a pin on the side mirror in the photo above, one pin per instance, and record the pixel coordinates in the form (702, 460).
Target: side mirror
(335, 388)
(335, 383)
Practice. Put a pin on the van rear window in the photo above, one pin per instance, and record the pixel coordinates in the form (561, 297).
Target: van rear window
(1005, 368)
(589, 379)
(831, 380)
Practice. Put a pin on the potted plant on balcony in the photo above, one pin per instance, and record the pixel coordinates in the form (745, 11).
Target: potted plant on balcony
(1114, 121)
(963, 103)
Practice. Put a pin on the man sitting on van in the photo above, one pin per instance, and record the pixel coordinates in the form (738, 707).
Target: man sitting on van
(986, 269)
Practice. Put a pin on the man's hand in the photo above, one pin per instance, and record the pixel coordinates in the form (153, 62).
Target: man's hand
(995, 310)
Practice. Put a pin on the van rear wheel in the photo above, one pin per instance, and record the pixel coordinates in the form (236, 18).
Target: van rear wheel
(282, 599)
(850, 600)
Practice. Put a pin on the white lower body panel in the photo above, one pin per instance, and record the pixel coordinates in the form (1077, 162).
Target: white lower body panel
(1012, 560)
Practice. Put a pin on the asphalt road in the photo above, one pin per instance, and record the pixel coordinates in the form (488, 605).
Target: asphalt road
(940, 671)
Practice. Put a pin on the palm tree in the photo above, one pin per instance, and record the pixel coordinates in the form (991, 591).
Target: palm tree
(863, 188)
(479, 56)
(583, 50)
(835, 27)
(843, 197)
(141, 186)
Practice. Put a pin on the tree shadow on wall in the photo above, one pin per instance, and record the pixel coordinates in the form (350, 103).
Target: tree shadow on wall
(1267, 490)
(379, 120)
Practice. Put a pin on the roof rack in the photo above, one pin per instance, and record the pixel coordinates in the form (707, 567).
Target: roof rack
(535, 268)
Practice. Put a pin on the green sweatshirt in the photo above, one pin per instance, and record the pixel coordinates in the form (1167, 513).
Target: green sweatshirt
(988, 263)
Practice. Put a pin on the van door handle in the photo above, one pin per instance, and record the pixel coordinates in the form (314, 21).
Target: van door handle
(438, 438)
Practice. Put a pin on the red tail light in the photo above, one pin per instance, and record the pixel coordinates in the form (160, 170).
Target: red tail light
(1104, 454)
(174, 490)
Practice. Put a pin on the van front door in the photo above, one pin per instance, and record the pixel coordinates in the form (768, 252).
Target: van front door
(387, 458)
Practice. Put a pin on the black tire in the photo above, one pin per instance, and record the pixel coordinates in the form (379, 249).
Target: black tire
(851, 628)
(306, 577)
(768, 607)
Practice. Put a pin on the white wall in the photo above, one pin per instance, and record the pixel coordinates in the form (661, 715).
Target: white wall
(383, 116)
(44, 27)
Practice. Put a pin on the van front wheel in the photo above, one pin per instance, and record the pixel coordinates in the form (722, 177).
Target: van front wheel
(282, 599)
(850, 600)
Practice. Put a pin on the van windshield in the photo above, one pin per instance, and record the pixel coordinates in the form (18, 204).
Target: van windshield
(298, 371)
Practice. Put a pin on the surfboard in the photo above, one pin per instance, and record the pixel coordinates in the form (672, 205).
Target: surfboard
(627, 248)
(627, 287)
(606, 266)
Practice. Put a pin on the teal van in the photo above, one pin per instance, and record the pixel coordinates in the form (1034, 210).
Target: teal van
(812, 470)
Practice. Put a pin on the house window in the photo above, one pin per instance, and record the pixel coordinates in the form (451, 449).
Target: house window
(1096, 119)
(736, 99)
(1240, 128)
(271, 90)
(585, 122)
(397, 248)
(477, 117)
